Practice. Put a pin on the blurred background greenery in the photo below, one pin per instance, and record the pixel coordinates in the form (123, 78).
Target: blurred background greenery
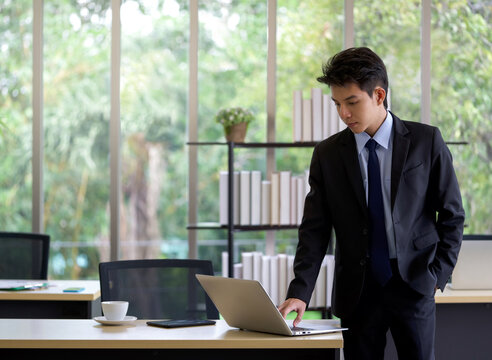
(232, 72)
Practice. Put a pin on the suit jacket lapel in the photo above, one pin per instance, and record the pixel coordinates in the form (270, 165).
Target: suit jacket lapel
(348, 153)
(400, 150)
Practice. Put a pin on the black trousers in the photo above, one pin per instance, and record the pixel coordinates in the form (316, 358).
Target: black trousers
(409, 315)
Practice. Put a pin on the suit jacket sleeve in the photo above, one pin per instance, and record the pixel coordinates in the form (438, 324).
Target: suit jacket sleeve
(446, 201)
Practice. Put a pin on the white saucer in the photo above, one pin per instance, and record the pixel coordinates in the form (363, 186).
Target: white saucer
(127, 320)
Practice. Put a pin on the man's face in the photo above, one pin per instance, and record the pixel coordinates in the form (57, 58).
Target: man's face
(357, 109)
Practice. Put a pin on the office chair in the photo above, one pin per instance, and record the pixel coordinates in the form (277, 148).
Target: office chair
(158, 288)
(24, 255)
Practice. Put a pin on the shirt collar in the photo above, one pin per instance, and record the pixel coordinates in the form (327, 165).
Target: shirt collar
(382, 136)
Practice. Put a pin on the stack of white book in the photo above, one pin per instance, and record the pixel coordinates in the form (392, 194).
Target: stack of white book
(316, 118)
(274, 202)
(276, 272)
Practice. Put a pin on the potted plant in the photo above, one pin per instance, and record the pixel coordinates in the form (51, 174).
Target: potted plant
(235, 122)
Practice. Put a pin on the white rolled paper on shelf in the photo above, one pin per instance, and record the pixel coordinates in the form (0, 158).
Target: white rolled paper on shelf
(276, 272)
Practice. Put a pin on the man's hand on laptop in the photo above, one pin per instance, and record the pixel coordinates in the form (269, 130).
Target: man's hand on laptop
(293, 304)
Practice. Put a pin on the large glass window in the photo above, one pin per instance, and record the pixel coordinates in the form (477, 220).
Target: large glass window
(308, 34)
(232, 63)
(461, 99)
(232, 54)
(76, 120)
(232, 71)
(154, 93)
(16, 115)
(392, 29)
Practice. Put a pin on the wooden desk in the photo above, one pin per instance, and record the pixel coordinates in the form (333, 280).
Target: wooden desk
(52, 302)
(450, 296)
(60, 337)
(463, 325)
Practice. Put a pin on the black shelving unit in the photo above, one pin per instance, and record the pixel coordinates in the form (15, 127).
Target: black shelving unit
(230, 227)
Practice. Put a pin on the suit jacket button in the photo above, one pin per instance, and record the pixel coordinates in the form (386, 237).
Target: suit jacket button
(365, 231)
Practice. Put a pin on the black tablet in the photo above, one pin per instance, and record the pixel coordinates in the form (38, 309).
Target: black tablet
(180, 323)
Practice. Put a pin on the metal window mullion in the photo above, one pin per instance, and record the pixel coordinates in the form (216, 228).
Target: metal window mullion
(348, 25)
(37, 118)
(193, 129)
(425, 62)
(271, 102)
(115, 132)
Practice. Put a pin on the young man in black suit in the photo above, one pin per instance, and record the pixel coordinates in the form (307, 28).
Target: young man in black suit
(388, 189)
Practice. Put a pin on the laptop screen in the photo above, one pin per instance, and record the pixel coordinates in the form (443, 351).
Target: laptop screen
(474, 268)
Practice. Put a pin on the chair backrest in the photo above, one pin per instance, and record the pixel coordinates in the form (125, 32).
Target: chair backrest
(24, 255)
(158, 288)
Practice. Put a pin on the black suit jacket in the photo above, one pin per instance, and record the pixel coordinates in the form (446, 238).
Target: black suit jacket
(426, 208)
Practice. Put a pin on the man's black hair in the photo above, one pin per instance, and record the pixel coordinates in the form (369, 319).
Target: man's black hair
(360, 66)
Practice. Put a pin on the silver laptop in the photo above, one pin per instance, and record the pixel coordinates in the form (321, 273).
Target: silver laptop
(246, 305)
(473, 269)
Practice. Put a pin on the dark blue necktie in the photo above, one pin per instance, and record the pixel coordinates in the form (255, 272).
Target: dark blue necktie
(378, 244)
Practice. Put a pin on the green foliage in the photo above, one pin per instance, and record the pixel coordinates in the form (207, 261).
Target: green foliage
(232, 70)
(461, 100)
(233, 116)
(15, 115)
(392, 30)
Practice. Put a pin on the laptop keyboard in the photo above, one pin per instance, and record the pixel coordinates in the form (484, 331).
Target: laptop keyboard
(296, 328)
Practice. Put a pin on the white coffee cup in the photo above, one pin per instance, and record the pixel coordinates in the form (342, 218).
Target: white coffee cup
(114, 310)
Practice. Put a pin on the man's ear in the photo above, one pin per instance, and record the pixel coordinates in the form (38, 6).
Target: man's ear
(380, 95)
